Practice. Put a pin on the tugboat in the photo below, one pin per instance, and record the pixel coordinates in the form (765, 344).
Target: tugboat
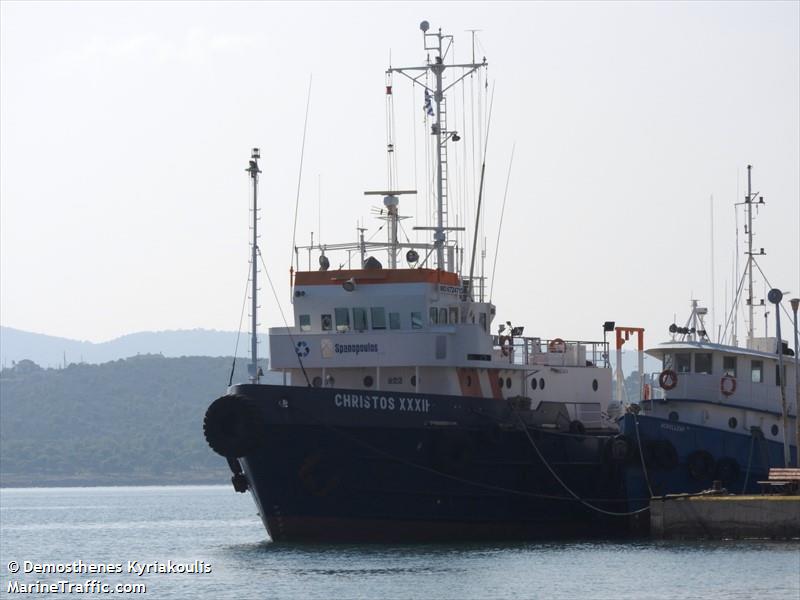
(724, 412)
(400, 415)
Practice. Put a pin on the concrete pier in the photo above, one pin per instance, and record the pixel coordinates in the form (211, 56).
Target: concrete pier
(716, 517)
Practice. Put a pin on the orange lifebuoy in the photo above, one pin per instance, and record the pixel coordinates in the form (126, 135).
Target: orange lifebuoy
(505, 344)
(557, 345)
(727, 390)
(668, 379)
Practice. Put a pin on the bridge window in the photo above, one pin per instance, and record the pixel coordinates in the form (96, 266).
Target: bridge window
(669, 361)
(683, 362)
(757, 371)
(729, 365)
(327, 322)
(482, 320)
(434, 315)
(394, 320)
(342, 319)
(359, 319)
(416, 320)
(305, 322)
(702, 363)
(443, 316)
(453, 315)
(378, 315)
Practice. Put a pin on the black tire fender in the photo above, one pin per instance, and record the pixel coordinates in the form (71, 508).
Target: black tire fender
(233, 426)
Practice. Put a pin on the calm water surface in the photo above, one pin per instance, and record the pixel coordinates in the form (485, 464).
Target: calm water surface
(219, 527)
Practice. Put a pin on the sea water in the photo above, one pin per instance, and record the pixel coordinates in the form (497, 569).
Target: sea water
(208, 542)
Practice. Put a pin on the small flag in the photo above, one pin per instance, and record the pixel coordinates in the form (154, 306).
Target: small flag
(428, 105)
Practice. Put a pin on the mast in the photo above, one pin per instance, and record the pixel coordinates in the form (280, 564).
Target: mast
(440, 44)
(749, 267)
(254, 171)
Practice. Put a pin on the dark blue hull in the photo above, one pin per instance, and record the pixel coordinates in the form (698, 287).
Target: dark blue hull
(738, 460)
(340, 465)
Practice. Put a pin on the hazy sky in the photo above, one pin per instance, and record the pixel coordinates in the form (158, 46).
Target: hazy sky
(126, 127)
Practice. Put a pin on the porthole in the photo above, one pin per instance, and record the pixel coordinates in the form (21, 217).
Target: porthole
(774, 430)
(594, 385)
(541, 383)
(469, 381)
(317, 381)
(368, 381)
(673, 416)
(500, 382)
(329, 380)
(508, 382)
(732, 422)
(534, 383)
(414, 380)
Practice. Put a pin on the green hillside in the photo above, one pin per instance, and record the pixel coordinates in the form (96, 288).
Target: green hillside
(132, 421)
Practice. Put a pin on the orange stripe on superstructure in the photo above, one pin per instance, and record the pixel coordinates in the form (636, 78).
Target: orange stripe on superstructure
(494, 375)
(364, 276)
(470, 382)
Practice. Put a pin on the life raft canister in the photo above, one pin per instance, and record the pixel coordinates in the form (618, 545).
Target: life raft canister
(668, 379)
(727, 385)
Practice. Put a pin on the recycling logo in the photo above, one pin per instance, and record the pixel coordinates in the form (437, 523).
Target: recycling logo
(302, 349)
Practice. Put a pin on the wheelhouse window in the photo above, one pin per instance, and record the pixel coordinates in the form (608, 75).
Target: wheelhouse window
(416, 320)
(482, 320)
(433, 315)
(702, 363)
(757, 371)
(305, 322)
(668, 361)
(453, 315)
(342, 319)
(326, 322)
(729, 365)
(378, 315)
(394, 320)
(683, 362)
(443, 316)
(359, 319)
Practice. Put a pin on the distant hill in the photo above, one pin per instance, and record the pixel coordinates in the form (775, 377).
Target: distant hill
(50, 351)
(132, 421)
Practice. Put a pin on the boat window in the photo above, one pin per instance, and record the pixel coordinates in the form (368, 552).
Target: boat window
(317, 381)
(378, 315)
(774, 429)
(443, 316)
(453, 315)
(359, 319)
(534, 383)
(778, 374)
(416, 320)
(732, 423)
(729, 365)
(394, 320)
(702, 362)
(482, 320)
(434, 315)
(757, 371)
(305, 322)
(669, 361)
(327, 322)
(342, 319)
(683, 362)
(368, 381)
(673, 416)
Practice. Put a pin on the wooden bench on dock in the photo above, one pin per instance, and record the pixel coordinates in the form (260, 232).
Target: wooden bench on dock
(782, 480)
